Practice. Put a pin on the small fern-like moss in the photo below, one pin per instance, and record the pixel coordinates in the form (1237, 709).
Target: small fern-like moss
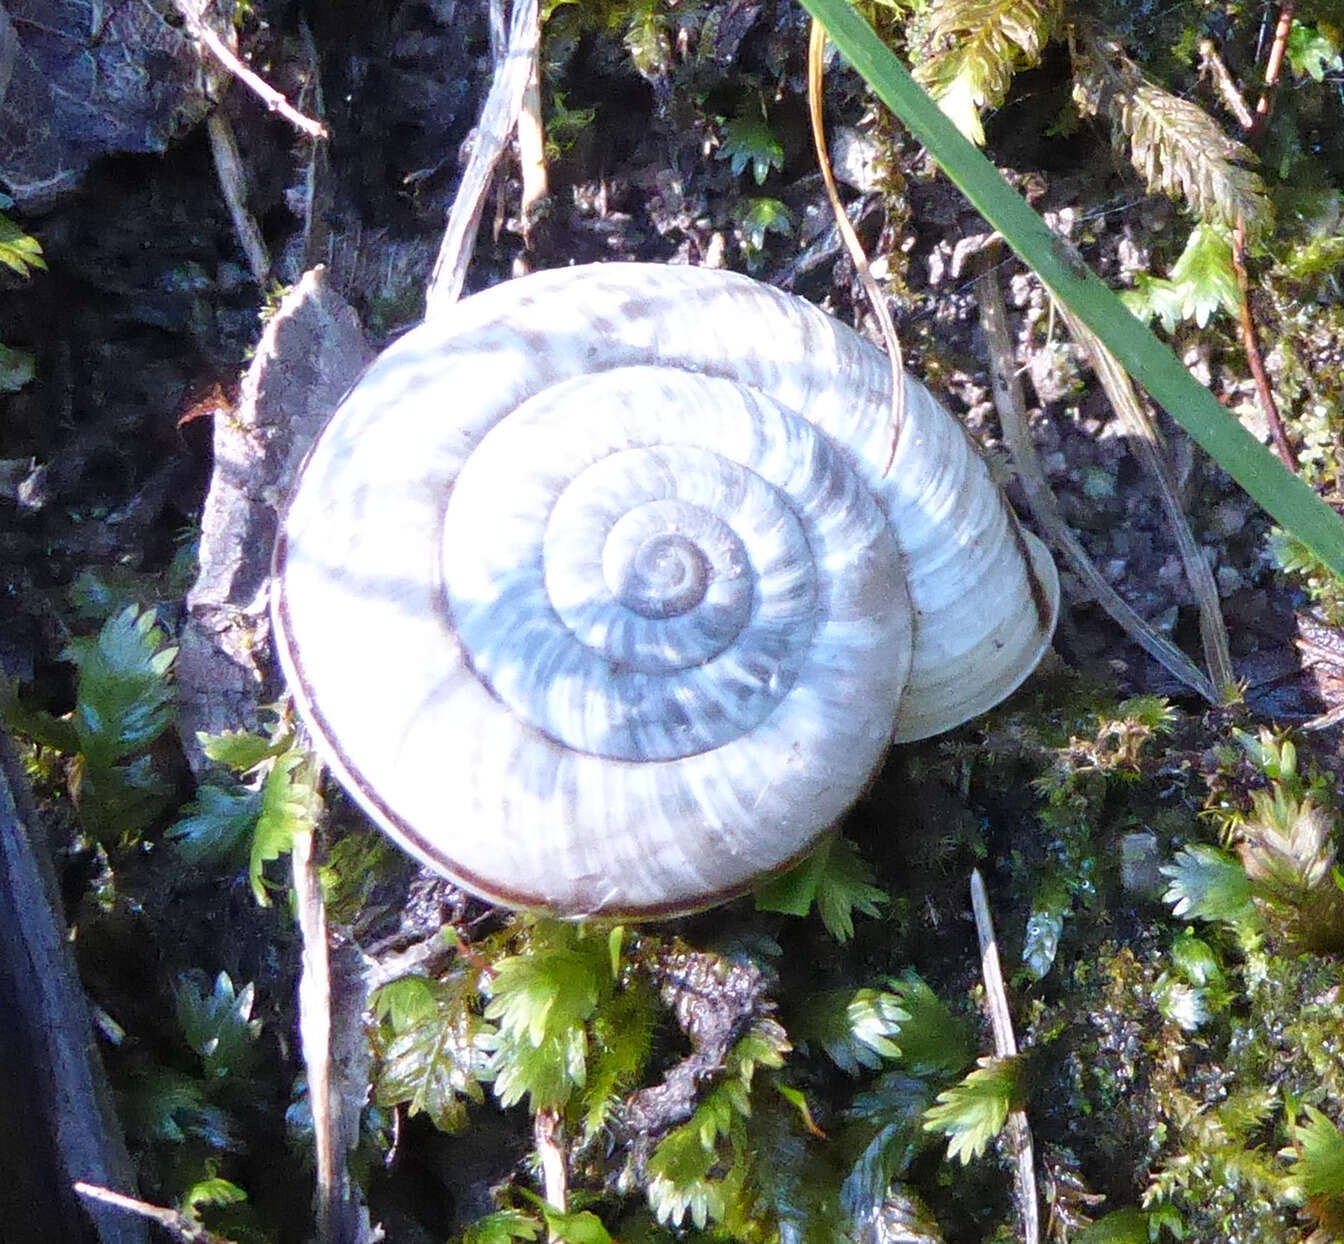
(1177, 148)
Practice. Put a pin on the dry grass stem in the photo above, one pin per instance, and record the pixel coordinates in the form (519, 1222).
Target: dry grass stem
(1012, 408)
(816, 107)
(1146, 444)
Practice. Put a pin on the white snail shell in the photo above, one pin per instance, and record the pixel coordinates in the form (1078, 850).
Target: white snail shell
(598, 596)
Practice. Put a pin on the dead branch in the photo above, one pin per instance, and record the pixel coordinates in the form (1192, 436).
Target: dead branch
(498, 118)
(228, 58)
(1005, 1046)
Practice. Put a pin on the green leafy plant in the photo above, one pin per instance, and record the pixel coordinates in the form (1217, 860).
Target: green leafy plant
(1202, 281)
(1177, 148)
(192, 1113)
(123, 703)
(1091, 752)
(17, 368)
(211, 1192)
(1323, 585)
(1317, 1173)
(1209, 884)
(972, 48)
(169, 1107)
(433, 1047)
(540, 1003)
(758, 218)
(22, 254)
(1132, 1226)
(217, 1022)
(504, 1226)
(836, 878)
(746, 139)
(18, 251)
(558, 1024)
(216, 828)
(276, 799)
(699, 1168)
(973, 1111)
(1313, 51)
(885, 1127)
(561, 1019)
(564, 125)
(857, 1029)
(1282, 878)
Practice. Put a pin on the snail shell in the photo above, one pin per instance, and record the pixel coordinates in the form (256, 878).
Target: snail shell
(597, 595)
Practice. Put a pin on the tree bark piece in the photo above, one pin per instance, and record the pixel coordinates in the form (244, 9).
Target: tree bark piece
(312, 351)
(57, 1124)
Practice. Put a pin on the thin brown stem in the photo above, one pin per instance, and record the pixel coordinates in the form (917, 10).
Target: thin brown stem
(1212, 63)
(815, 73)
(1250, 337)
(1273, 67)
(1250, 342)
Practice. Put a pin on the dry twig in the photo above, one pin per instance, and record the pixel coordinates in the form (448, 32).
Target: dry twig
(273, 99)
(169, 1219)
(1005, 1046)
(233, 185)
(498, 118)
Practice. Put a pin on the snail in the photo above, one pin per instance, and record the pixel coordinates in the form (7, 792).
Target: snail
(600, 593)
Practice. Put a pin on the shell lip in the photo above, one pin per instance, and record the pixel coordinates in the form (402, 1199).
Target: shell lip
(419, 846)
(1044, 590)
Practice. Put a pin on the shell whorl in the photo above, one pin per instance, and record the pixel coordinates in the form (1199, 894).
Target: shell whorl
(595, 593)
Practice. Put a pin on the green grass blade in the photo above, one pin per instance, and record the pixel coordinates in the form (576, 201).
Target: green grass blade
(1287, 498)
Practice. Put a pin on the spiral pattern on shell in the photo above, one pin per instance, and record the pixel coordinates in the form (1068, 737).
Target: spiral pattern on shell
(596, 593)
